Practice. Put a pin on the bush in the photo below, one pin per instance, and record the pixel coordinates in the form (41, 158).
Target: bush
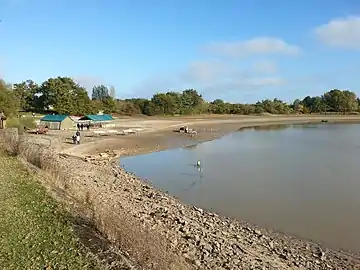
(20, 123)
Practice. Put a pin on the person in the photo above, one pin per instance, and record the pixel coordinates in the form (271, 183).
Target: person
(78, 126)
(88, 126)
(77, 137)
(74, 138)
(82, 126)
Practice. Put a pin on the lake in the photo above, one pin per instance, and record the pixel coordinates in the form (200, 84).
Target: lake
(303, 180)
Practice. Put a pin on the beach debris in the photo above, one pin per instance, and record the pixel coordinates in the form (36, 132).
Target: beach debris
(103, 156)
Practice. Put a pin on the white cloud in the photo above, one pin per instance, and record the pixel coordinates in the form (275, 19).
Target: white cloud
(259, 45)
(221, 75)
(206, 72)
(342, 33)
(265, 67)
(210, 77)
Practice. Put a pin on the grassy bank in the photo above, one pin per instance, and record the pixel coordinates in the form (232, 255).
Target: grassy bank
(35, 232)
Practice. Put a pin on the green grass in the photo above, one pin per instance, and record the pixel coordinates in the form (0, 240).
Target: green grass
(20, 123)
(35, 232)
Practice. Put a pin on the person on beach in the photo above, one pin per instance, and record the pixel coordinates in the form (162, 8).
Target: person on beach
(82, 126)
(78, 126)
(74, 138)
(77, 137)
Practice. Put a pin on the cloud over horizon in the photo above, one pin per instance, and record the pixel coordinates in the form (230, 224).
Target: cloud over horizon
(225, 75)
(343, 33)
(254, 46)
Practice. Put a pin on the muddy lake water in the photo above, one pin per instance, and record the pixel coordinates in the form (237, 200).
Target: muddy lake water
(302, 179)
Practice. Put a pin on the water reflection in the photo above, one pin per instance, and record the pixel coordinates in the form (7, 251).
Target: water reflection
(271, 127)
(192, 146)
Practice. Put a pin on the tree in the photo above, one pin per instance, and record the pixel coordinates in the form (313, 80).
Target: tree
(9, 103)
(166, 103)
(218, 106)
(100, 92)
(191, 101)
(314, 105)
(108, 105)
(150, 108)
(64, 96)
(340, 101)
(26, 92)
(127, 108)
(83, 104)
(297, 106)
(351, 103)
(139, 102)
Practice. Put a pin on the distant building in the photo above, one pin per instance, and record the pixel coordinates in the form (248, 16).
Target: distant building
(98, 120)
(57, 122)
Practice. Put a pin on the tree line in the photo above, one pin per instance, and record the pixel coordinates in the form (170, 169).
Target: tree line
(62, 95)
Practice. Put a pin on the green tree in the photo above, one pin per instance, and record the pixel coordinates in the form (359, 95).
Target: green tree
(218, 106)
(83, 104)
(108, 105)
(127, 108)
(64, 96)
(341, 101)
(139, 102)
(9, 103)
(150, 108)
(26, 92)
(165, 103)
(100, 92)
(191, 101)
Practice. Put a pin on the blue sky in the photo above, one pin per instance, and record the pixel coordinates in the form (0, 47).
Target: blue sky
(240, 51)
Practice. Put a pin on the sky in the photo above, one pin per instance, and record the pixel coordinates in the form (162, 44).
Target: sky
(236, 50)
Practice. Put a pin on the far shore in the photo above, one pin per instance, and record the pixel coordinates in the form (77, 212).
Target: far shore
(158, 133)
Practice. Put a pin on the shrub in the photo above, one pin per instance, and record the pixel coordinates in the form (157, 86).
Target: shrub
(20, 123)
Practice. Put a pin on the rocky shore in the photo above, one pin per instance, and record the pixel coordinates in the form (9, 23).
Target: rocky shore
(203, 239)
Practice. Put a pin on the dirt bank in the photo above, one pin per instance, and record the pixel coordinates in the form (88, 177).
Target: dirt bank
(159, 134)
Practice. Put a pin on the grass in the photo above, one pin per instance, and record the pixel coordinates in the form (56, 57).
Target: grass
(147, 247)
(35, 232)
(20, 123)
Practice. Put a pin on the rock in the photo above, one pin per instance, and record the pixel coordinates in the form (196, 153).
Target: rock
(198, 210)
(257, 232)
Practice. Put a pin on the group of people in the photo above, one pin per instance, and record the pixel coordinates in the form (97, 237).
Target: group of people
(82, 126)
(76, 137)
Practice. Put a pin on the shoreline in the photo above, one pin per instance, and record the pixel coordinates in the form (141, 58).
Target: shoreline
(205, 240)
(160, 139)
